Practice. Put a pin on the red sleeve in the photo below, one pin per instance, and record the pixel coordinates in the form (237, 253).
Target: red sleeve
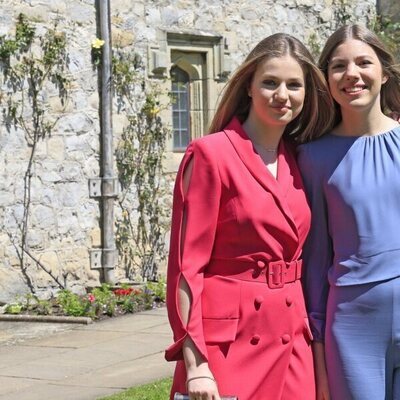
(200, 206)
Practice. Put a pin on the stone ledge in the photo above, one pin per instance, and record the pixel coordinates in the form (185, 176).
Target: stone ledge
(45, 318)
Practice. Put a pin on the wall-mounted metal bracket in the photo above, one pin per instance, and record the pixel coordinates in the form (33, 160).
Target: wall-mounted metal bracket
(103, 187)
(98, 261)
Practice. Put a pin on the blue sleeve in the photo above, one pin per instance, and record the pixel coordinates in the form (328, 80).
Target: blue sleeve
(317, 252)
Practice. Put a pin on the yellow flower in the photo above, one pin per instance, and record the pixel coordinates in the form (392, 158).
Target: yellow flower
(97, 43)
(154, 111)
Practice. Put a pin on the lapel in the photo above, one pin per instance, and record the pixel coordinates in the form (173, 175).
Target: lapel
(277, 187)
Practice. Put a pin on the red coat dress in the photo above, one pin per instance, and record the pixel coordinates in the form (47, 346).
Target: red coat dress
(244, 235)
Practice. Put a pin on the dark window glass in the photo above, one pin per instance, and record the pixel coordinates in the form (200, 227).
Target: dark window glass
(180, 108)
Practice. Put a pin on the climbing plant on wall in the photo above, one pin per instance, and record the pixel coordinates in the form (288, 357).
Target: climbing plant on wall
(141, 227)
(389, 32)
(31, 65)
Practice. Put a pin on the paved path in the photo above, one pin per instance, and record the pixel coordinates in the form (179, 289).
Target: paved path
(82, 362)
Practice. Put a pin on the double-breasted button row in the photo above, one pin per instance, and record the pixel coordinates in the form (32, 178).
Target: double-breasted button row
(259, 300)
(286, 338)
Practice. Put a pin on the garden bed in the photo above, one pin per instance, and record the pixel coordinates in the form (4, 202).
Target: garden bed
(97, 304)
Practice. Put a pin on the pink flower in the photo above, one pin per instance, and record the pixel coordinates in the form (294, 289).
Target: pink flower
(91, 298)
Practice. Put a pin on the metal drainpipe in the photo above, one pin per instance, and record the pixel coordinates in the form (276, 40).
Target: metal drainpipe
(109, 186)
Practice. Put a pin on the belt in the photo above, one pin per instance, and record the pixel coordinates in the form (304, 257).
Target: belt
(275, 273)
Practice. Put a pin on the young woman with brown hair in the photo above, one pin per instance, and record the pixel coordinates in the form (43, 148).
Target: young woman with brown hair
(351, 257)
(240, 218)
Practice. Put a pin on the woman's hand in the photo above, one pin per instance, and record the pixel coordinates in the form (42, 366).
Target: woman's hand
(200, 381)
(322, 387)
(202, 387)
(321, 376)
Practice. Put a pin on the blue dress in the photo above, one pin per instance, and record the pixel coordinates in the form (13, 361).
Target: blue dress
(352, 260)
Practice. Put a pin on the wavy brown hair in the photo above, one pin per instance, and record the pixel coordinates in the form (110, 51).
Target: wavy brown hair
(390, 92)
(317, 114)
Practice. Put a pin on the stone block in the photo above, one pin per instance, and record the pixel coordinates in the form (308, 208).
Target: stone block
(93, 100)
(306, 3)
(93, 278)
(43, 217)
(95, 237)
(50, 260)
(138, 8)
(49, 197)
(6, 198)
(122, 38)
(12, 284)
(326, 14)
(13, 217)
(77, 143)
(37, 12)
(71, 172)
(66, 221)
(249, 14)
(77, 123)
(71, 193)
(80, 100)
(35, 240)
(91, 167)
(81, 13)
(40, 151)
(58, 6)
(56, 148)
(78, 61)
(80, 254)
(58, 107)
(78, 268)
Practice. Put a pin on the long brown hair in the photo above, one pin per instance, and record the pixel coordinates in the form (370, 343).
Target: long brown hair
(317, 114)
(390, 91)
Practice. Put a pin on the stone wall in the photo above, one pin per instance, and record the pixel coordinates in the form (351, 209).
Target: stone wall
(64, 221)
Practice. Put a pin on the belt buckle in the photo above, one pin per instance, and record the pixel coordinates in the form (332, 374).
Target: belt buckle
(276, 272)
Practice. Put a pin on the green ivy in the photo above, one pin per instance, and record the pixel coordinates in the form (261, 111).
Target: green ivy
(72, 304)
(389, 32)
(24, 36)
(343, 12)
(140, 153)
(29, 72)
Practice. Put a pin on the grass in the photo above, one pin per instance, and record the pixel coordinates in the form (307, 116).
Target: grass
(158, 390)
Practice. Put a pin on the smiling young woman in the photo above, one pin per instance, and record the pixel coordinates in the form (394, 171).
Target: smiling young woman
(352, 254)
(240, 218)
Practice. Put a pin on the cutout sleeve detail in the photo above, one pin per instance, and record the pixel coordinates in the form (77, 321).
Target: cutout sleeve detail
(190, 255)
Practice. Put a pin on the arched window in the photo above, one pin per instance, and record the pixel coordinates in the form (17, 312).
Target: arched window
(180, 108)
